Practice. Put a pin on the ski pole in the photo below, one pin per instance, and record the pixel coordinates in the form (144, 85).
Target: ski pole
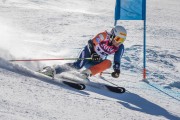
(121, 73)
(107, 80)
(27, 60)
(110, 81)
(105, 73)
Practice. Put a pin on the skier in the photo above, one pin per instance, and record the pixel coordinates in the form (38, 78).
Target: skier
(98, 48)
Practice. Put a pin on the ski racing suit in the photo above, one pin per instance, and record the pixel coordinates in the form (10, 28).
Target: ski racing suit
(102, 45)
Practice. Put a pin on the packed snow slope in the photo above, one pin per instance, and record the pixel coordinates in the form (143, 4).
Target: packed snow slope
(60, 29)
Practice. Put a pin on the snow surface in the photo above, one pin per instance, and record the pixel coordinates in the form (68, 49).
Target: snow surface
(59, 29)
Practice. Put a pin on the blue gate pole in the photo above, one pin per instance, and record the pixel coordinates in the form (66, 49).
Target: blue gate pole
(144, 50)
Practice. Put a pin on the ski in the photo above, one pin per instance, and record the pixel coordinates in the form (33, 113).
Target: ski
(77, 86)
(65, 81)
(110, 88)
(115, 89)
(80, 84)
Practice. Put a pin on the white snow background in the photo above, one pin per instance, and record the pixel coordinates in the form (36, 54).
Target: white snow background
(59, 29)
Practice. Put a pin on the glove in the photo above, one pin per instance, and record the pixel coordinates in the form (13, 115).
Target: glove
(95, 57)
(116, 72)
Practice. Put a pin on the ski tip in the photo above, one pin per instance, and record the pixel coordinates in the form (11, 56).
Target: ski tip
(121, 89)
(82, 86)
(116, 89)
(77, 86)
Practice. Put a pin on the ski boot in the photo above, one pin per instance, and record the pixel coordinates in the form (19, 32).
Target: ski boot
(49, 71)
(85, 74)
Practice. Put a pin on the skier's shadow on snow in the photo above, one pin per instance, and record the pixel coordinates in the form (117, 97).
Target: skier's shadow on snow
(135, 102)
(143, 105)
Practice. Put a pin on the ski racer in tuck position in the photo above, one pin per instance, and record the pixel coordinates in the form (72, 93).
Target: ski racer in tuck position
(98, 48)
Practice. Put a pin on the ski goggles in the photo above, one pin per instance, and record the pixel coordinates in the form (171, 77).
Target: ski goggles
(118, 39)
